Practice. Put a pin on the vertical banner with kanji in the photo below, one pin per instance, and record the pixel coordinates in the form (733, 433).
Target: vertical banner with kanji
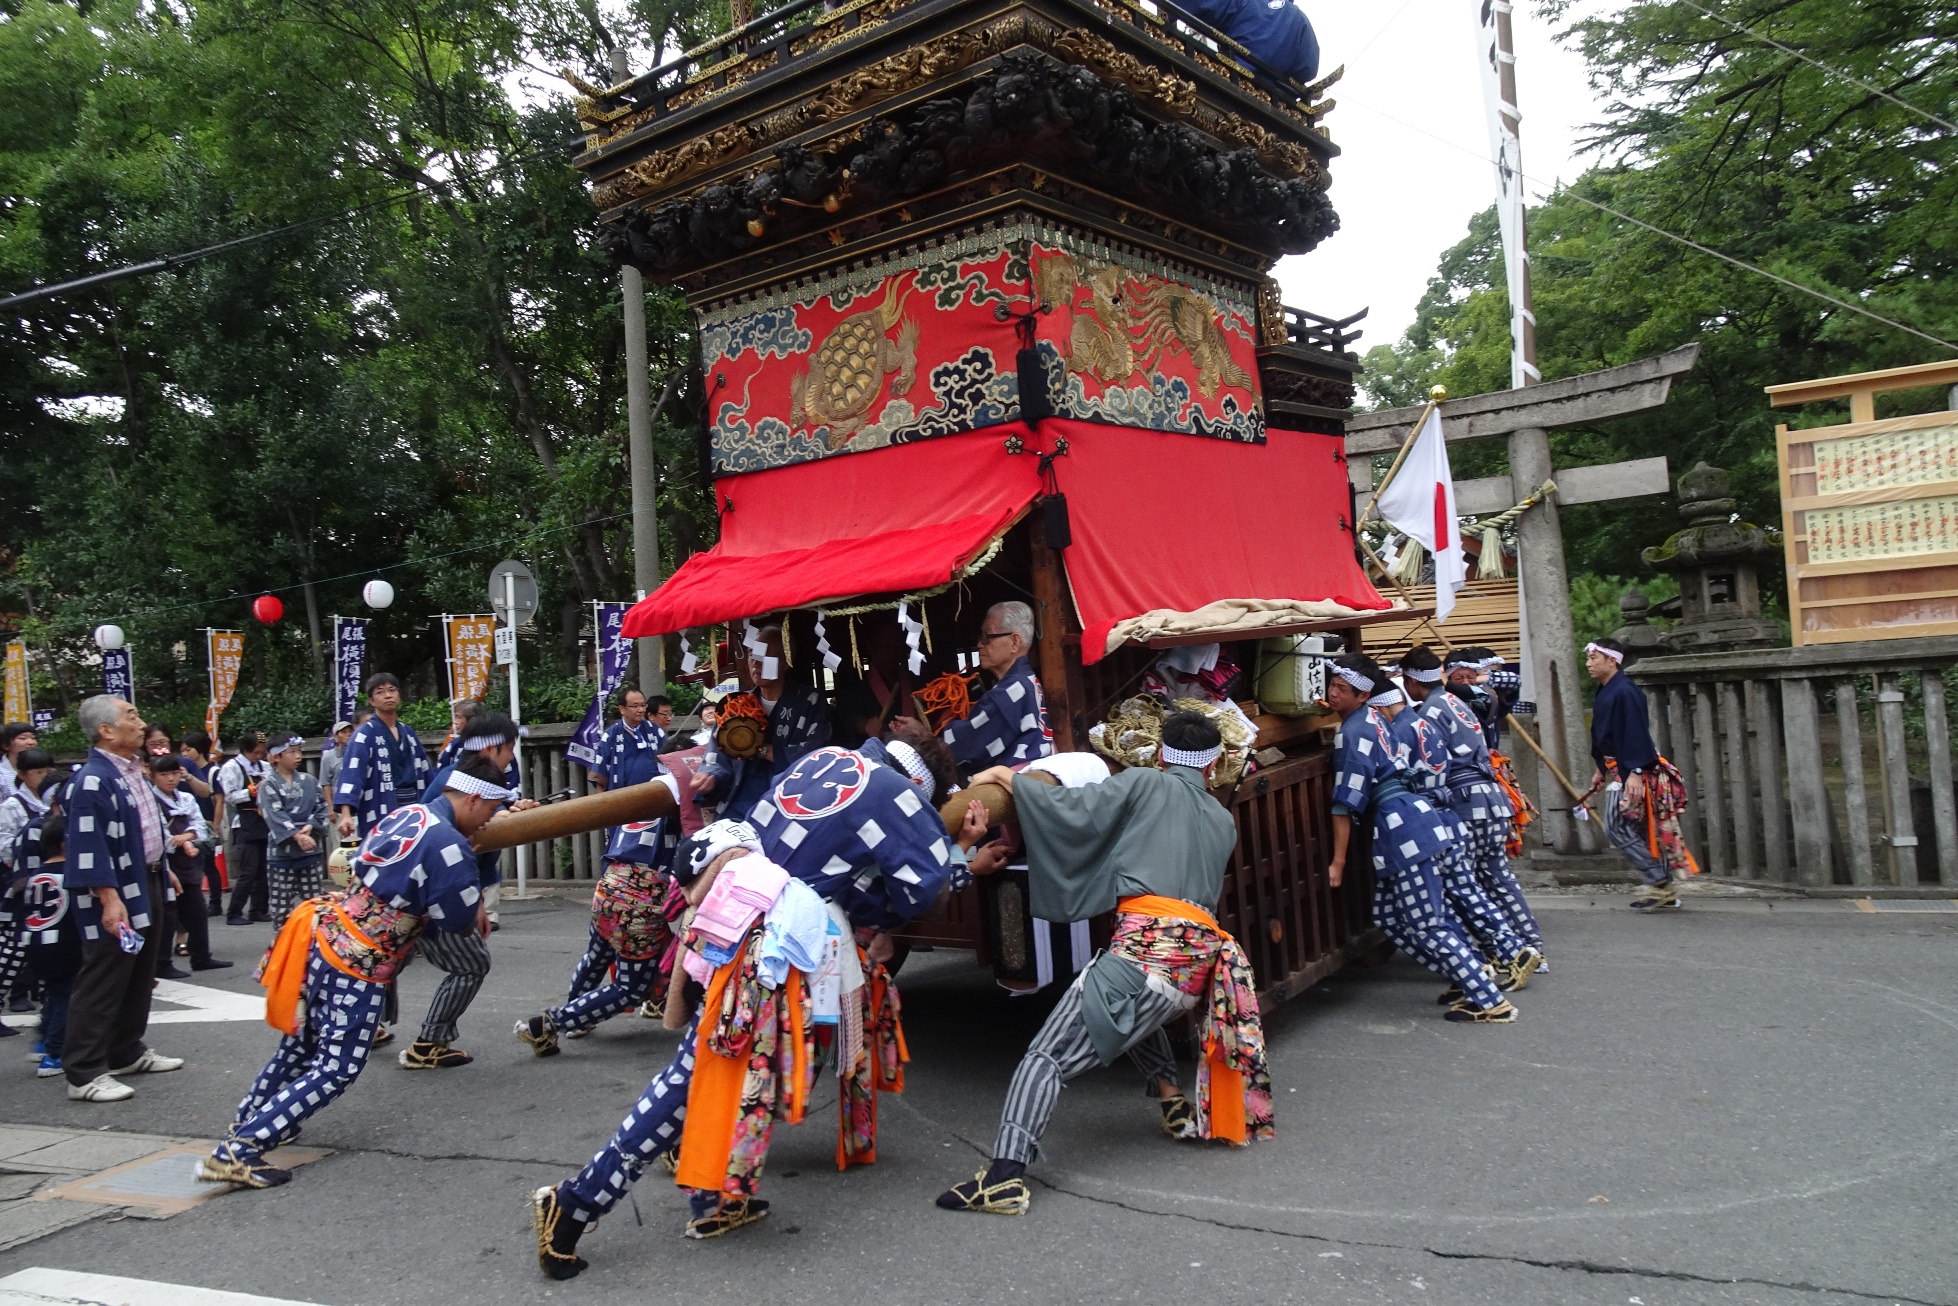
(614, 652)
(224, 651)
(349, 663)
(19, 706)
(471, 648)
(118, 674)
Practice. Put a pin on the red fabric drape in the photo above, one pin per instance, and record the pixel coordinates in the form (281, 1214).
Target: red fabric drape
(1170, 521)
(901, 518)
(1159, 520)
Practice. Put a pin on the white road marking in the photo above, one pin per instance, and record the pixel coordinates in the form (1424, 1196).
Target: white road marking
(205, 1004)
(43, 1287)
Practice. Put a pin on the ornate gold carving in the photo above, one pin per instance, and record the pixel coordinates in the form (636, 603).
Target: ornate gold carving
(1271, 314)
(687, 158)
(1177, 94)
(830, 30)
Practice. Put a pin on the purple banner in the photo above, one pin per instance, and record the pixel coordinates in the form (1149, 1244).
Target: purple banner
(613, 654)
(43, 720)
(118, 674)
(349, 660)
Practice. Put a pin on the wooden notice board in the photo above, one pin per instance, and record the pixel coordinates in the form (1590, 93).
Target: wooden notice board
(1869, 513)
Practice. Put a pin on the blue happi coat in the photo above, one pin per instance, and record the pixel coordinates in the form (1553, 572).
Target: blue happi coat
(1370, 779)
(489, 866)
(379, 772)
(1008, 724)
(1473, 792)
(860, 835)
(105, 845)
(799, 723)
(416, 861)
(629, 758)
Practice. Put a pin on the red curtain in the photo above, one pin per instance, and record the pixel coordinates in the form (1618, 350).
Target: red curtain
(1159, 520)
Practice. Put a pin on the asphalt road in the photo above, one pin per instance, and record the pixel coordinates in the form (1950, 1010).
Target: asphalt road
(1747, 1102)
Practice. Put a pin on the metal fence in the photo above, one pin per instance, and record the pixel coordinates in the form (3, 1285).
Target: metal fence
(1780, 747)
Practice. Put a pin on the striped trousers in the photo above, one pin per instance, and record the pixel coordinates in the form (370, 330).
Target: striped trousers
(651, 1127)
(1629, 838)
(1062, 1050)
(466, 958)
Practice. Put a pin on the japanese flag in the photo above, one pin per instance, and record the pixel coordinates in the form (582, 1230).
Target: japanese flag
(1420, 503)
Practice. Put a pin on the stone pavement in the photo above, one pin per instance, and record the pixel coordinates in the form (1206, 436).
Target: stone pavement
(1748, 1102)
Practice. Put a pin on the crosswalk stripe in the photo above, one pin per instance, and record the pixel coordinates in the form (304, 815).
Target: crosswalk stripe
(44, 1287)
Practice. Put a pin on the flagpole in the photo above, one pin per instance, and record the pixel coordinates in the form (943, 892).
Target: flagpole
(1436, 395)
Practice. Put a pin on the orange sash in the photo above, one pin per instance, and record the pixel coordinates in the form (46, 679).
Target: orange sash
(283, 972)
(1226, 1082)
(714, 1097)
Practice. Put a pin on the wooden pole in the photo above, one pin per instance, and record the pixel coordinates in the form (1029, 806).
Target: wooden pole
(641, 802)
(1577, 799)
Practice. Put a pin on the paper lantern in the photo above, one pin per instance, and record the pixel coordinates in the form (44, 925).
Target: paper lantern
(267, 608)
(108, 638)
(378, 593)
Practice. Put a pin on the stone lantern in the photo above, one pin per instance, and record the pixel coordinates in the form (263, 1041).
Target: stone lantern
(1716, 559)
(1640, 637)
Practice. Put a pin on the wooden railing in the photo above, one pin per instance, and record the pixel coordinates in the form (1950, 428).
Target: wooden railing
(1330, 335)
(1779, 748)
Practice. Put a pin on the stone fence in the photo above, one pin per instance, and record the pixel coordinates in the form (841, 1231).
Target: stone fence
(1779, 747)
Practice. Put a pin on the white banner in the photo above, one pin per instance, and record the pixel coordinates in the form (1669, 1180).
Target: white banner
(1494, 54)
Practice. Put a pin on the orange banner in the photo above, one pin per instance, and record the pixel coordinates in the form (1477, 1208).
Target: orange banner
(224, 652)
(19, 706)
(472, 648)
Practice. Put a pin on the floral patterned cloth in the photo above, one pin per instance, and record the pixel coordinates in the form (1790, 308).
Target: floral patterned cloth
(367, 938)
(1207, 964)
(1525, 812)
(629, 909)
(1658, 812)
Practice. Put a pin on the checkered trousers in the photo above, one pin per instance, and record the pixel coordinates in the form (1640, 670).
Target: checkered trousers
(651, 1127)
(316, 1065)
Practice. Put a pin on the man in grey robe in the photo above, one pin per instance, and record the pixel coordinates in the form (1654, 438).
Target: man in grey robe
(1139, 835)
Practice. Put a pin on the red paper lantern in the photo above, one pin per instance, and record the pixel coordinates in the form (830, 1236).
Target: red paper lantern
(267, 608)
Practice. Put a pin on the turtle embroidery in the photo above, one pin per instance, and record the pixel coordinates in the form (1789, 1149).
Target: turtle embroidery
(849, 368)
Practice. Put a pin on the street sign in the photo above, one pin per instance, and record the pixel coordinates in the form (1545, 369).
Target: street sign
(500, 591)
(506, 645)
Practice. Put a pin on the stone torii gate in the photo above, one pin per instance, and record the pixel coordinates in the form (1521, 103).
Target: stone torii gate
(1526, 417)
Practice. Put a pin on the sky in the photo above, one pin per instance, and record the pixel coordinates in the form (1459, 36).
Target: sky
(1414, 140)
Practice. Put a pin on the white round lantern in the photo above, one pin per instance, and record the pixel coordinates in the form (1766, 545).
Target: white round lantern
(108, 638)
(378, 593)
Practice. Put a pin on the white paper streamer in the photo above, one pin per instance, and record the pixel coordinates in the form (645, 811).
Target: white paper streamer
(688, 662)
(914, 633)
(831, 658)
(752, 641)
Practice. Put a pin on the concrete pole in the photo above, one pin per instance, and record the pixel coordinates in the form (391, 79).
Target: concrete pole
(1553, 667)
(639, 449)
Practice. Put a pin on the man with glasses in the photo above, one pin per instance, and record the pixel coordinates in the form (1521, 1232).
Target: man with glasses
(1008, 724)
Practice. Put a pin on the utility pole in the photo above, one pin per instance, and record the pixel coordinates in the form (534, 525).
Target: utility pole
(639, 450)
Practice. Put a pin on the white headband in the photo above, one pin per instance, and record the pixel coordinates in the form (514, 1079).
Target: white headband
(907, 757)
(1353, 678)
(1386, 698)
(1611, 653)
(477, 743)
(1179, 757)
(462, 782)
(1422, 677)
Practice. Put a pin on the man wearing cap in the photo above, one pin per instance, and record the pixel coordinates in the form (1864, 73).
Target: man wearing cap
(296, 824)
(465, 955)
(797, 723)
(1152, 846)
(1410, 837)
(385, 766)
(1644, 794)
(1478, 802)
(328, 972)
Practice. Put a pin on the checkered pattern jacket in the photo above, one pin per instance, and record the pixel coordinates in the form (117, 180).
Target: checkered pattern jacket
(1008, 724)
(105, 845)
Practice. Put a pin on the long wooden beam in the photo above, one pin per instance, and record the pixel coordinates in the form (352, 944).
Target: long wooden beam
(1573, 401)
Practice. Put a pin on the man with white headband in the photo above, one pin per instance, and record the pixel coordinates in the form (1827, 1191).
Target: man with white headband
(1645, 793)
(1410, 838)
(1152, 846)
(464, 956)
(328, 972)
(1477, 800)
(796, 720)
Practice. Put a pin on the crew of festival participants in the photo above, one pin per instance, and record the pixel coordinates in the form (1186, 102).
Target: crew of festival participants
(796, 721)
(784, 955)
(1410, 836)
(1151, 846)
(328, 972)
(1643, 792)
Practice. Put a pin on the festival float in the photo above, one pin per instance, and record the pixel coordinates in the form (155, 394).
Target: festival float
(984, 314)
